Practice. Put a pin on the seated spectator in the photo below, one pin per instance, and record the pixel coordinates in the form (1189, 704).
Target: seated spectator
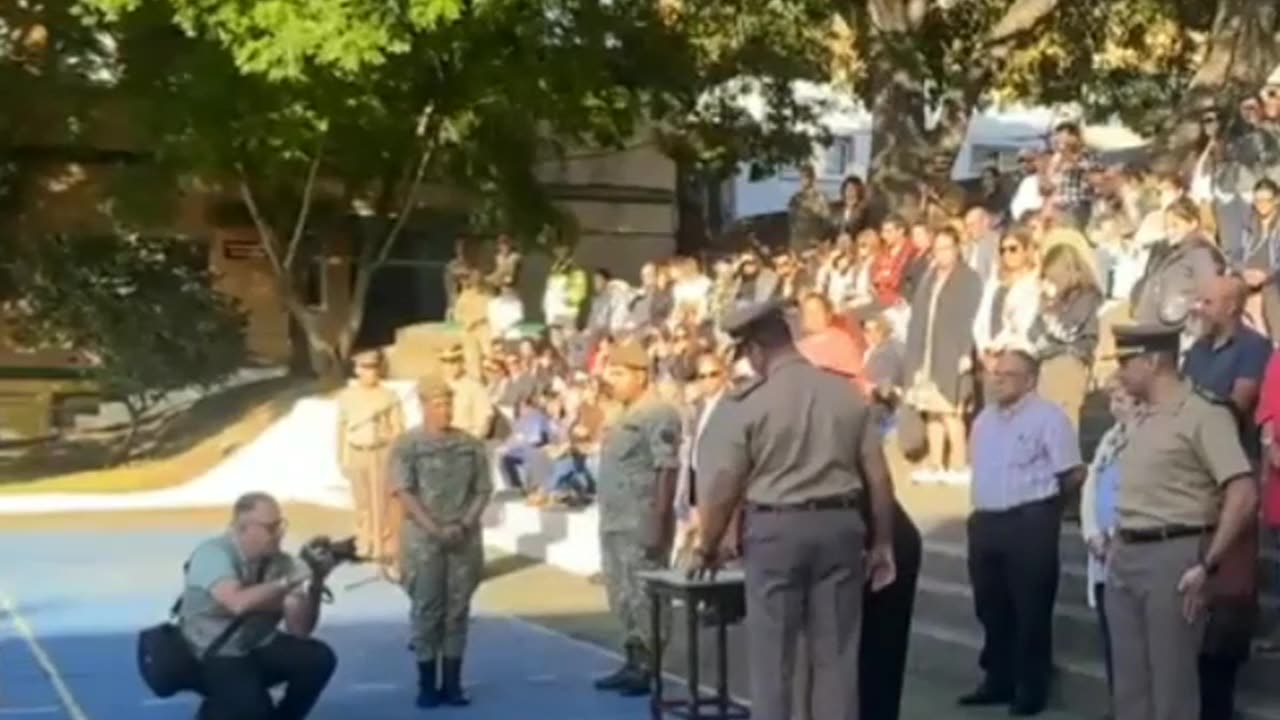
(530, 432)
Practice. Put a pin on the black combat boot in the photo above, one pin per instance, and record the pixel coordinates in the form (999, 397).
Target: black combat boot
(639, 681)
(619, 677)
(429, 695)
(451, 687)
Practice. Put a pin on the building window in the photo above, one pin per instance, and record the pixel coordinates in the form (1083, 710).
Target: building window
(837, 158)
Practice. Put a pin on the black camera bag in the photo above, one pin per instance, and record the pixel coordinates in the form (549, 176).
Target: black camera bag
(165, 660)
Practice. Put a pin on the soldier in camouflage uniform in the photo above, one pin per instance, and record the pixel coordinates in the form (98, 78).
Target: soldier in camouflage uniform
(638, 464)
(441, 475)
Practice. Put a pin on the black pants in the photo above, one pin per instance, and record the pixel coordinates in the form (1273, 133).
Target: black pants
(1100, 604)
(1218, 686)
(886, 627)
(236, 688)
(1013, 568)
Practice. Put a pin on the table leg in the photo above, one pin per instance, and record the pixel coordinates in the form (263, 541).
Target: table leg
(722, 665)
(691, 631)
(655, 654)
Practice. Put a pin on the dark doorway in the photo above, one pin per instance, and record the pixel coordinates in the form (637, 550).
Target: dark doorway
(409, 288)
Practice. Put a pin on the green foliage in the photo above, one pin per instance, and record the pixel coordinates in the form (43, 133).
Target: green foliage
(143, 309)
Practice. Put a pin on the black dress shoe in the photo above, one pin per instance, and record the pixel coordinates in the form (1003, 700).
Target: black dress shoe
(986, 695)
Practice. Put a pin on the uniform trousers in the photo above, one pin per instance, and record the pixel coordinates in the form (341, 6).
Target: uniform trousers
(1154, 649)
(622, 558)
(440, 581)
(1013, 568)
(886, 631)
(803, 579)
(378, 513)
(238, 688)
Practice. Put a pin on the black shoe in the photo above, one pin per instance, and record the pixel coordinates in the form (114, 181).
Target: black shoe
(616, 679)
(986, 694)
(451, 685)
(638, 683)
(428, 692)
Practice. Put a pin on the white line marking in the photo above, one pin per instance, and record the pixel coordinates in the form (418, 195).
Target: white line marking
(42, 658)
(35, 710)
(175, 700)
(543, 630)
(372, 687)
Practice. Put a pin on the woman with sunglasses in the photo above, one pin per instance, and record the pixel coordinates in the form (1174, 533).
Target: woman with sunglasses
(1010, 299)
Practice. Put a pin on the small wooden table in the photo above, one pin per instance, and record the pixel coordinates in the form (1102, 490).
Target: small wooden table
(722, 595)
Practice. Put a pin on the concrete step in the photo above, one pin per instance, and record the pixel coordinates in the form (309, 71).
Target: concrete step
(949, 656)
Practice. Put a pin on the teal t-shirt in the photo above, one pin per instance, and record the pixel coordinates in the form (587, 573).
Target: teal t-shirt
(202, 618)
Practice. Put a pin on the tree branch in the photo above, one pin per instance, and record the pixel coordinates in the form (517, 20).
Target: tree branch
(426, 129)
(1021, 18)
(265, 234)
(304, 211)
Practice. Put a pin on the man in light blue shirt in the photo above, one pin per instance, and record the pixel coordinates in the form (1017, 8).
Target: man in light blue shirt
(243, 575)
(1025, 456)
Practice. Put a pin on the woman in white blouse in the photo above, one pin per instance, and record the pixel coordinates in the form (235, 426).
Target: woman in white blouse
(1010, 299)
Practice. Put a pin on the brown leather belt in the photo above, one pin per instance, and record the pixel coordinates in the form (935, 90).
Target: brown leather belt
(839, 502)
(367, 448)
(1160, 534)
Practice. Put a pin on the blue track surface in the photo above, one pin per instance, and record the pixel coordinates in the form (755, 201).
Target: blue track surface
(71, 604)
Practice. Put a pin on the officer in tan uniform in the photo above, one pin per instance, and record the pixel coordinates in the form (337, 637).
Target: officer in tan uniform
(472, 409)
(1186, 494)
(800, 447)
(369, 420)
(471, 313)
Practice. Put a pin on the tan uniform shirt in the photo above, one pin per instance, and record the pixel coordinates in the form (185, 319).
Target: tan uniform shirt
(798, 434)
(472, 309)
(472, 409)
(1179, 455)
(368, 418)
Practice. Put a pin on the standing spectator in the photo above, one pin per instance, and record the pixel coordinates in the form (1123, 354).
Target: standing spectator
(851, 217)
(455, 274)
(506, 263)
(1026, 456)
(1268, 418)
(566, 293)
(1028, 198)
(1228, 361)
(808, 212)
(983, 242)
(890, 267)
(753, 283)
(472, 409)
(1064, 335)
(1256, 255)
(506, 312)
(1011, 299)
(940, 357)
(1098, 512)
(1068, 171)
(1176, 270)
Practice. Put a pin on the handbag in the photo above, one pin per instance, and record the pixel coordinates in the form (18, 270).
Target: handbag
(165, 660)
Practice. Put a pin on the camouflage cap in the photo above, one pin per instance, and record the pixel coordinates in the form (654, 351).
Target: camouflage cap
(630, 354)
(432, 387)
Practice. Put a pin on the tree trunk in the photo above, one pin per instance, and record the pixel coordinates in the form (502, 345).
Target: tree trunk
(899, 138)
(122, 452)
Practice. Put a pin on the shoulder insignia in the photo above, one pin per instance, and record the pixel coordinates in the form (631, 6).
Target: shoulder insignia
(744, 387)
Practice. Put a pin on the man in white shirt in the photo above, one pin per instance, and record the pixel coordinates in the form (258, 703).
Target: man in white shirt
(711, 380)
(506, 312)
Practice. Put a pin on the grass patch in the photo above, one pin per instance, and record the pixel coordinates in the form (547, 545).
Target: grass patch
(179, 447)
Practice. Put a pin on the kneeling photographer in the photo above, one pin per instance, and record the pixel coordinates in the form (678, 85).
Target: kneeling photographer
(239, 587)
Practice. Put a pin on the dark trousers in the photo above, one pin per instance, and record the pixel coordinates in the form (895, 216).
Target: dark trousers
(1218, 686)
(886, 626)
(236, 688)
(1013, 568)
(804, 575)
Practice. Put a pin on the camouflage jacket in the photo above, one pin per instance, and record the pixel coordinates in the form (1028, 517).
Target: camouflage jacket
(640, 442)
(446, 473)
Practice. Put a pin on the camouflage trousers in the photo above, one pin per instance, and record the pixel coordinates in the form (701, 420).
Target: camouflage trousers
(440, 581)
(622, 559)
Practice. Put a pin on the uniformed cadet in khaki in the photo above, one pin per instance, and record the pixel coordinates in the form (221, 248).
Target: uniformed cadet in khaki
(441, 474)
(472, 409)
(800, 446)
(1185, 495)
(639, 459)
(369, 420)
